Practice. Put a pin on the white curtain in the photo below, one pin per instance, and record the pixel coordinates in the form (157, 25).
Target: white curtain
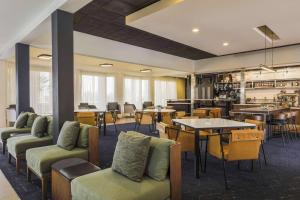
(11, 83)
(164, 89)
(97, 89)
(41, 91)
(136, 91)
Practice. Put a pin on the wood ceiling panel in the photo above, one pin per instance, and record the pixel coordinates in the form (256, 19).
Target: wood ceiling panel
(106, 18)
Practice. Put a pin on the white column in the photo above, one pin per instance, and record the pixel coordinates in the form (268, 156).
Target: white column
(3, 93)
(193, 90)
(242, 87)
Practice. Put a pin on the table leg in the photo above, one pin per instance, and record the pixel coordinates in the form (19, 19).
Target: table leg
(197, 154)
(223, 160)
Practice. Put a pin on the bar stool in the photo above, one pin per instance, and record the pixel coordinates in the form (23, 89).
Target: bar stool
(279, 121)
(292, 124)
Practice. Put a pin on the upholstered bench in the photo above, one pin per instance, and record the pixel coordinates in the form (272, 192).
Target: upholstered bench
(109, 184)
(40, 159)
(22, 125)
(64, 171)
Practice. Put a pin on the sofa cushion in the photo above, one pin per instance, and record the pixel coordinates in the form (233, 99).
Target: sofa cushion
(131, 154)
(40, 159)
(6, 132)
(21, 120)
(159, 158)
(50, 125)
(30, 120)
(107, 184)
(19, 145)
(39, 126)
(83, 137)
(68, 135)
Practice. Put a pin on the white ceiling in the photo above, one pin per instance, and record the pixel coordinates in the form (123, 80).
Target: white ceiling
(89, 63)
(18, 18)
(222, 21)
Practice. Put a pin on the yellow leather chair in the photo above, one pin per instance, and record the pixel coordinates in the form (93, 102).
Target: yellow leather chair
(243, 145)
(86, 118)
(260, 126)
(201, 113)
(215, 113)
(166, 118)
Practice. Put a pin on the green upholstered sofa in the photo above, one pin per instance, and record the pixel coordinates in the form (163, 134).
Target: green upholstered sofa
(108, 184)
(17, 146)
(40, 159)
(7, 132)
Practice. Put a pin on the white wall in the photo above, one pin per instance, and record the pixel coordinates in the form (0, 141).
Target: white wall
(2, 93)
(282, 56)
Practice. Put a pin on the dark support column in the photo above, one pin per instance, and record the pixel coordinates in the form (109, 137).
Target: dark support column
(62, 69)
(22, 78)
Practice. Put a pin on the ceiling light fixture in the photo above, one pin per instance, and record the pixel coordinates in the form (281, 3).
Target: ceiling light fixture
(195, 30)
(44, 57)
(264, 67)
(106, 65)
(225, 44)
(145, 70)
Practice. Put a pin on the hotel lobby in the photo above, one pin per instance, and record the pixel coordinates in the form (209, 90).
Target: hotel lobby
(149, 100)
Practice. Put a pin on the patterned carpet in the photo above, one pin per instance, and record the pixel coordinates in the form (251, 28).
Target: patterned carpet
(279, 180)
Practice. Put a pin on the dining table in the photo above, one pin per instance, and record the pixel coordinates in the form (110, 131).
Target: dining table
(217, 125)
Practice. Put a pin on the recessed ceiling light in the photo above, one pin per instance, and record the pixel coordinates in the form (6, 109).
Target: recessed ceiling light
(106, 65)
(145, 70)
(44, 57)
(225, 44)
(195, 30)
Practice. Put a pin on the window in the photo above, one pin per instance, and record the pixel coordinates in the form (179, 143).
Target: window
(163, 90)
(41, 91)
(136, 91)
(97, 89)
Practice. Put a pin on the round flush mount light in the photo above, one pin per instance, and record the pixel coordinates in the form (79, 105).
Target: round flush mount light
(44, 57)
(225, 44)
(106, 65)
(195, 30)
(145, 70)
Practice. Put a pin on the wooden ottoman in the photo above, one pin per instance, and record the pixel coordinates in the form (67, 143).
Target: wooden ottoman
(64, 171)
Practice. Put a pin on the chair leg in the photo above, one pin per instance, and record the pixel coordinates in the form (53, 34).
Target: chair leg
(9, 158)
(104, 127)
(224, 174)
(116, 130)
(3, 147)
(185, 155)
(264, 154)
(28, 174)
(282, 137)
(238, 165)
(205, 159)
(252, 165)
(18, 164)
(45, 187)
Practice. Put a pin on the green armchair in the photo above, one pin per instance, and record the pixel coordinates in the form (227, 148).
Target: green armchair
(17, 146)
(40, 159)
(22, 125)
(108, 184)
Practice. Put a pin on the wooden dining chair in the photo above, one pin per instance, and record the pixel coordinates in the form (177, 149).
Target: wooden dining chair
(179, 114)
(185, 138)
(105, 118)
(260, 126)
(243, 145)
(86, 118)
(201, 113)
(167, 118)
(146, 119)
(215, 113)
